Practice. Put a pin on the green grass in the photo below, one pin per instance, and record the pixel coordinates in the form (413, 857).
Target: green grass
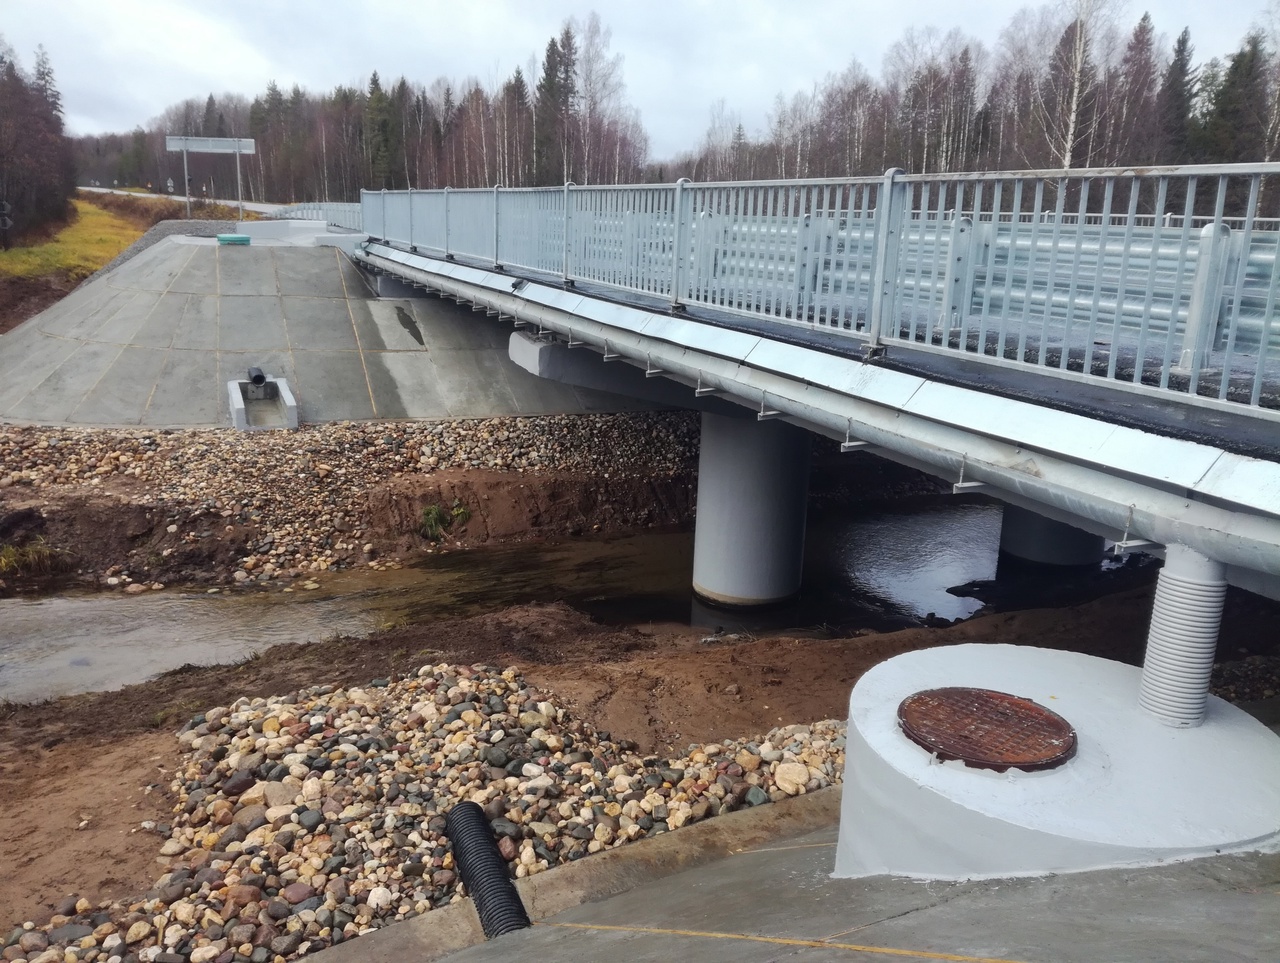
(82, 247)
(35, 559)
(436, 520)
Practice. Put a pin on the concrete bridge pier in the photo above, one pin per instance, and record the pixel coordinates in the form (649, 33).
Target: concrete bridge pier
(753, 485)
(1030, 537)
(1183, 637)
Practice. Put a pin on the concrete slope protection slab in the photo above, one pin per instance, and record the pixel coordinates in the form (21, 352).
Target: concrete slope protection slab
(154, 342)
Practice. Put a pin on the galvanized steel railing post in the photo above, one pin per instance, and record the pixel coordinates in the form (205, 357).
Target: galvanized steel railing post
(1206, 296)
(497, 261)
(383, 228)
(956, 283)
(446, 224)
(566, 276)
(889, 215)
(679, 243)
(408, 199)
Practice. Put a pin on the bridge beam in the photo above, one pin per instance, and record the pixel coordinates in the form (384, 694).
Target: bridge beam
(1183, 637)
(753, 485)
(1030, 537)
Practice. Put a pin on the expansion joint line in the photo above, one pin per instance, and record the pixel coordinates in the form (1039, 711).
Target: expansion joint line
(784, 941)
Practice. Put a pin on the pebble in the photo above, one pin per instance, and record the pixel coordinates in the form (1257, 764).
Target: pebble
(361, 779)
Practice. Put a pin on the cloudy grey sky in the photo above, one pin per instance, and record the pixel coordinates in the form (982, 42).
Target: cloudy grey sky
(119, 63)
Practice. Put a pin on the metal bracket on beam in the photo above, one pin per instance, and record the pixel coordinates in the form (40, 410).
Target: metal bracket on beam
(848, 446)
(649, 370)
(766, 414)
(701, 392)
(572, 342)
(520, 323)
(961, 487)
(1127, 545)
(609, 353)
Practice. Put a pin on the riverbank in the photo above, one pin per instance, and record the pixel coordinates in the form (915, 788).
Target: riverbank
(94, 787)
(135, 510)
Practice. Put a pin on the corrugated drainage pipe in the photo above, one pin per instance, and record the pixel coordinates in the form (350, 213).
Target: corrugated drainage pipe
(484, 871)
(1183, 637)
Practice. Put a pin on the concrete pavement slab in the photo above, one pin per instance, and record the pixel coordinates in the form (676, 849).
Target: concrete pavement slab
(299, 272)
(186, 392)
(779, 902)
(121, 394)
(316, 324)
(246, 271)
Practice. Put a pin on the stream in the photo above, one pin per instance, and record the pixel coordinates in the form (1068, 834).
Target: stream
(870, 568)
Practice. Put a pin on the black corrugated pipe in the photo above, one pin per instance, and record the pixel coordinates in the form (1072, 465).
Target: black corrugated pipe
(484, 871)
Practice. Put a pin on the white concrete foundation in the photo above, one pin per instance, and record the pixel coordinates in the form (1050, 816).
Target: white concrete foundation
(1137, 793)
(753, 486)
(1033, 538)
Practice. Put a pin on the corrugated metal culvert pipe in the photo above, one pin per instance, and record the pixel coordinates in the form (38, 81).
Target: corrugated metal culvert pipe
(484, 871)
(1183, 637)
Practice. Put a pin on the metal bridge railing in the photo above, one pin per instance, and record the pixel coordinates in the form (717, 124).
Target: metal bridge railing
(335, 214)
(1161, 280)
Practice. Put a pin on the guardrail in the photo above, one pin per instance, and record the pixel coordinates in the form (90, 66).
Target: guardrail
(346, 216)
(1160, 280)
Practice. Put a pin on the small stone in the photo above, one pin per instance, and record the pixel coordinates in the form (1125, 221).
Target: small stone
(379, 898)
(791, 777)
(297, 892)
(138, 932)
(756, 796)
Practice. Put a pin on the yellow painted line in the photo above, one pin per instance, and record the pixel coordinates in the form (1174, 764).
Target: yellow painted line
(783, 849)
(783, 941)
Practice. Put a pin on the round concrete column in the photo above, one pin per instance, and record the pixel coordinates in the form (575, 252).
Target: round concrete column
(753, 484)
(1183, 637)
(1033, 538)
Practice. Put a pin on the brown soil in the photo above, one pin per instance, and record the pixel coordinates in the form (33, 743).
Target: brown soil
(511, 507)
(89, 758)
(23, 298)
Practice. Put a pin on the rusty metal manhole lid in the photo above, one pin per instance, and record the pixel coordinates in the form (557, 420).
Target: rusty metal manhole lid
(986, 729)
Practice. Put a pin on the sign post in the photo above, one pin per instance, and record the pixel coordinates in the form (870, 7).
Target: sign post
(212, 145)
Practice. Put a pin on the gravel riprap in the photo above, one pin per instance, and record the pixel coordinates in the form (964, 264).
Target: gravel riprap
(310, 819)
(159, 232)
(304, 491)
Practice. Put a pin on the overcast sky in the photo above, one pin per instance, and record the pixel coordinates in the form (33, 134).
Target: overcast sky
(119, 63)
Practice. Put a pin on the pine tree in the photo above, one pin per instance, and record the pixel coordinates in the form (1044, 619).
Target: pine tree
(1174, 103)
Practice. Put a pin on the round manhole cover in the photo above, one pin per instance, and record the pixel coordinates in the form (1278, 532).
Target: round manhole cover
(986, 729)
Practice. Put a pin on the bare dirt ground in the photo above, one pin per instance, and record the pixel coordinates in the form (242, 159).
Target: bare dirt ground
(23, 298)
(78, 775)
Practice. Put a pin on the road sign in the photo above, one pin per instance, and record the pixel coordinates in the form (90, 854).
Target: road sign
(5, 208)
(169, 184)
(5, 223)
(211, 145)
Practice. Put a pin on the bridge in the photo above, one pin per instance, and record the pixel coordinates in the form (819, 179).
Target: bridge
(1096, 348)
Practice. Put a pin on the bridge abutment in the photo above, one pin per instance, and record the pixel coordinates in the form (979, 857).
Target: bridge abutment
(1183, 637)
(1030, 537)
(753, 484)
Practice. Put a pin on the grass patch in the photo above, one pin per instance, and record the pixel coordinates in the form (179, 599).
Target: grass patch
(36, 559)
(92, 239)
(148, 210)
(436, 520)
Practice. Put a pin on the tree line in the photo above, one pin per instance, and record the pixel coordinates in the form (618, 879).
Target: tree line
(37, 171)
(565, 119)
(1063, 86)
